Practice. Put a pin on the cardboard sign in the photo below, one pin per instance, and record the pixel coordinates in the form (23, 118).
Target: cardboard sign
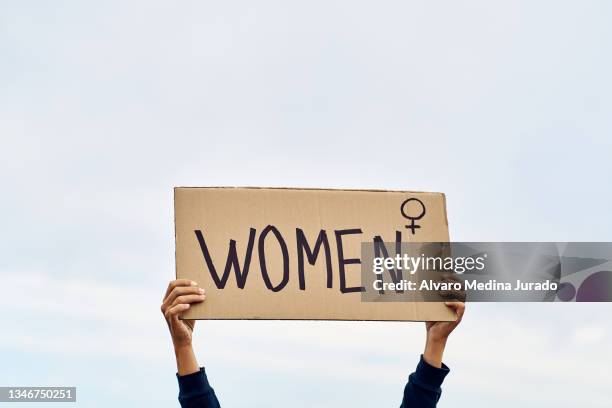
(267, 253)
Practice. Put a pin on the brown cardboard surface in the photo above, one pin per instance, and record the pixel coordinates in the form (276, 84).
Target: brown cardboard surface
(223, 214)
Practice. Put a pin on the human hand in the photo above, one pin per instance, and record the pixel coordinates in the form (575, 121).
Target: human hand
(179, 297)
(437, 334)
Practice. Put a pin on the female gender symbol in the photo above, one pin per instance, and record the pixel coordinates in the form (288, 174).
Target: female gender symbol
(412, 226)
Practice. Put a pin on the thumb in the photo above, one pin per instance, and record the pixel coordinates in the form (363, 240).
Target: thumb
(458, 308)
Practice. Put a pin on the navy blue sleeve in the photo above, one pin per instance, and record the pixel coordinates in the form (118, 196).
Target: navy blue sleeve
(423, 388)
(196, 392)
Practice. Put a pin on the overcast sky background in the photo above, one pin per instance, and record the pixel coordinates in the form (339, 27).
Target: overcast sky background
(105, 106)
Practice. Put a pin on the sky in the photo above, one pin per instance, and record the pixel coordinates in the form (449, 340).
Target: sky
(504, 106)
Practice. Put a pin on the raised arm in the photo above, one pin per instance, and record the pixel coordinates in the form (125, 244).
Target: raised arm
(424, 385)
(194, 389)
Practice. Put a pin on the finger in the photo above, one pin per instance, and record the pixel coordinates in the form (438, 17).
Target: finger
(460, 311)
(458, 308)
(455, 293)
(182, 290)
(452, 295)
(172, 314)
(189, 299)
(179, 282)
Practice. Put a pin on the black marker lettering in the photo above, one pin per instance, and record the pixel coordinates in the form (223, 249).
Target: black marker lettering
(262, 258)
(303, 247)
(350, 261)
(232, 261)
(380, 248)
